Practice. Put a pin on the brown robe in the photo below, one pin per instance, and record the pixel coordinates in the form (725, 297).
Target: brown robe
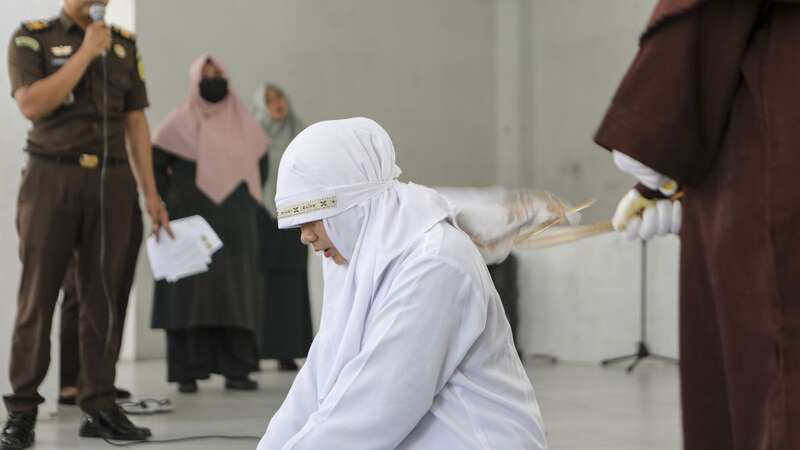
(713, 100)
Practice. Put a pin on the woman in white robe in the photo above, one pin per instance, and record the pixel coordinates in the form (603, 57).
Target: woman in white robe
(414, 350)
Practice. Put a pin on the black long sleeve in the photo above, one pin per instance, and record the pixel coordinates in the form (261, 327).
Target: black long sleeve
(162, 163)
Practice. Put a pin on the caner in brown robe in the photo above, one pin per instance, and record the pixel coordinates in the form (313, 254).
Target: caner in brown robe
(712, 100)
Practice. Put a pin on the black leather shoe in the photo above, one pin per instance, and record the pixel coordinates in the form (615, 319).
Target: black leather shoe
(187, 387)
(18, 432)
(112, 424)
(243, 384)
(68, 400)
(122, 394)
(287, 365)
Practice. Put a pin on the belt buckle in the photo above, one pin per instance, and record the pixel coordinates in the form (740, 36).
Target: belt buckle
(89, 161)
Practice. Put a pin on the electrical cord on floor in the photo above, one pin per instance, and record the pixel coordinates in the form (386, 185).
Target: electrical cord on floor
(167, 403)
(183, 439)
(208, 437)
(146, 407)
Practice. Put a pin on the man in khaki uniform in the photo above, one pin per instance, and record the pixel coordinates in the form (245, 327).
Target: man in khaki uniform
(57, 80)
(70, 363)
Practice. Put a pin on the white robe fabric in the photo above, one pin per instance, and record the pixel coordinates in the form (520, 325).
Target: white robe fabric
(495, 218)
(414, 350)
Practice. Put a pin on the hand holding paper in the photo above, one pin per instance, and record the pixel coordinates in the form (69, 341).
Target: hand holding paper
(188, 253)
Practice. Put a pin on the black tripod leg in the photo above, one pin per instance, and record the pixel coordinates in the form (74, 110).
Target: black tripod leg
(666, 359)
(635, 363)
(643, 350)
(549, 358)
(618, 359)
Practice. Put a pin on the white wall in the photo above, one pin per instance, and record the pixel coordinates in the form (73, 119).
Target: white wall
(581, 302)
(424, 69)
(13, 129)
(579, 51)
(122, 13)
(511, 32)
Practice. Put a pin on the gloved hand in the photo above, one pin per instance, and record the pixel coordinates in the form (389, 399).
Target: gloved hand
(644, 217)
(639, 217)
(647, 176)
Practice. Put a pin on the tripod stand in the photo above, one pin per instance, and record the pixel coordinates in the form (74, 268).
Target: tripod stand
(643, 349)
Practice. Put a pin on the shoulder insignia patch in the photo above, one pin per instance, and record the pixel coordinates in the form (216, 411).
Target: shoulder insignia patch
(123, 33)
(120, 51)
(37, 25)
(27, 41)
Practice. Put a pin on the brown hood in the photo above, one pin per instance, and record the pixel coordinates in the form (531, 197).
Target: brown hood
(667, 10)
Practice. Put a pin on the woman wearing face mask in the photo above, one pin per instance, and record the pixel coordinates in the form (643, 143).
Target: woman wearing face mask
(208, 159)
(286, 331)
(414, 350)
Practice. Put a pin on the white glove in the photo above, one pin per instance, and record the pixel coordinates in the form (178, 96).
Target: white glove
(646, 175)
(638, 217)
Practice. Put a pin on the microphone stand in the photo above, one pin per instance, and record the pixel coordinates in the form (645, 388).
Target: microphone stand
(643, 349)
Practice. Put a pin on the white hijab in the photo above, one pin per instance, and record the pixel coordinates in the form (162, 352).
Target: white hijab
(344, 173)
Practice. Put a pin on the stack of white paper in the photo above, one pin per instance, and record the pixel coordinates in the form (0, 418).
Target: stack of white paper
(186, 255)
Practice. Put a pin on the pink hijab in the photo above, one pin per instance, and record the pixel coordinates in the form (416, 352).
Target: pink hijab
(223, 138)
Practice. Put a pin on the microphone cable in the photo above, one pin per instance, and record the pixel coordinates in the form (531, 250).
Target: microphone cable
(97, 13)
(112, 306)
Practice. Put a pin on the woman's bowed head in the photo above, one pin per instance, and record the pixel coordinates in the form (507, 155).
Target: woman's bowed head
(314, 234)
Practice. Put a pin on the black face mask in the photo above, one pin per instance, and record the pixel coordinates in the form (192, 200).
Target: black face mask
(213, 89)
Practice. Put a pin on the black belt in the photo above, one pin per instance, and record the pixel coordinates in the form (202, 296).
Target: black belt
(85, 160)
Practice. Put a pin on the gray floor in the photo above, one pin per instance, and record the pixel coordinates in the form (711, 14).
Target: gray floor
(585, 407)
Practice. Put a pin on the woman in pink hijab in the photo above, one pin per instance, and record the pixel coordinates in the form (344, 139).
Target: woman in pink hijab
(208, 157)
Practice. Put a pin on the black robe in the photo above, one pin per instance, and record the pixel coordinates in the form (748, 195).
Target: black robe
(230, 294)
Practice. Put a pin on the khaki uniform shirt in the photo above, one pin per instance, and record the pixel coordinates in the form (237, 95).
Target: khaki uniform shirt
(39, 49)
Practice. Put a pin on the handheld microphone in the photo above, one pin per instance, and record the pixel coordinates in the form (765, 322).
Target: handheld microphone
(97, 12)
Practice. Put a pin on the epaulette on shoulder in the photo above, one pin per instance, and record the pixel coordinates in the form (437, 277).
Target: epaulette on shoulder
(35, 26)
(123, 33)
